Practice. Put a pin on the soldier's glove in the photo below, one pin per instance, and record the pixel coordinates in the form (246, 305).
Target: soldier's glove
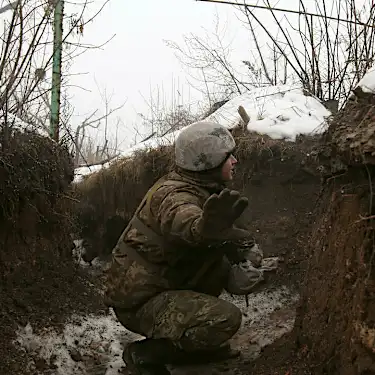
(220, 212)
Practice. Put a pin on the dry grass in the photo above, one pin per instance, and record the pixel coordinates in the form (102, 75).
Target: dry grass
(108, 198)
(35, 178)
(118, 189)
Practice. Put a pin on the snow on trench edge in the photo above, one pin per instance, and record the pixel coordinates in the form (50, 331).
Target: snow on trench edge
(282, 112)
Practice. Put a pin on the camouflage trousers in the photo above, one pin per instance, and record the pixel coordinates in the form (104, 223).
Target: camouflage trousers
(191, 320)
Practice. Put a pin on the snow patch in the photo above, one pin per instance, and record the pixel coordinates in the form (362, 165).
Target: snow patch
(281, 112)
(87, 345)
(93, 344)
(80, 172)
(269, 315)
(367, 83)
(77, 252)
(95, 267)
(262, 304)
(16, 123)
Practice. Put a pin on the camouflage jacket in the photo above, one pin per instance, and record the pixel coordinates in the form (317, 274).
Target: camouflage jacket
(159, 250)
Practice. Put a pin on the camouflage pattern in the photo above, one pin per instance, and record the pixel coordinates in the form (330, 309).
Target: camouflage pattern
(184, 260)
(203, 146)
(192, 321)
(165, 279)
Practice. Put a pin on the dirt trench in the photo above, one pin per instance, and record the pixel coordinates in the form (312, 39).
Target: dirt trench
(283, 185)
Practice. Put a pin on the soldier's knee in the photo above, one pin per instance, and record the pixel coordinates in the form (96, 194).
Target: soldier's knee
(215, 325)
(234, 315)
(229, 318)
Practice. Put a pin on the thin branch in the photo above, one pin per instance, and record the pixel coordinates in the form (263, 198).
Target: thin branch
(264, 27)
(286, 11)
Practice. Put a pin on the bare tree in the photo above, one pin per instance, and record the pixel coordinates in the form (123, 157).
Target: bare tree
(166, 114)
(327, 51)
(89, 150)
(328, 57)
(210, 64)
(26, 59)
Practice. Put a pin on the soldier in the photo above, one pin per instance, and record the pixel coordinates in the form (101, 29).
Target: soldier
(174, 258)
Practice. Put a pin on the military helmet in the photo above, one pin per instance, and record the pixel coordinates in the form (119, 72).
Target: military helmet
(202, 146)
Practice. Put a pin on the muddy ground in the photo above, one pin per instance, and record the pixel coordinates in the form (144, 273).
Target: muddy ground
(44, 295)
(283, 195)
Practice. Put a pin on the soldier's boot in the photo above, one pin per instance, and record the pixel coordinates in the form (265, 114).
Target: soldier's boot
(148, 357)
(222, 353)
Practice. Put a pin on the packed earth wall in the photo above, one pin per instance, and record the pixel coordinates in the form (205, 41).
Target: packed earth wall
(36, 268)
(334, 331)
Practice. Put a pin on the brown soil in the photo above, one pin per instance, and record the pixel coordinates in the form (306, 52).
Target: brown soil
(283, 187)
(282, 183)
(38, 282)
(42, 294)
(334, 329)
(284, 193)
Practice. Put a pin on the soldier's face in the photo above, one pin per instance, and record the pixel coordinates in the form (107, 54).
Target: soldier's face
(228, 168)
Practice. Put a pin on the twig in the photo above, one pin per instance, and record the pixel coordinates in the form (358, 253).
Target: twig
(288, 11)
(364, 218)
(70, 198)
(101, 162)
(276, 93)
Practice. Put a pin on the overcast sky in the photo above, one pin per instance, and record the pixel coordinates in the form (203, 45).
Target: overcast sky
(137, 64)
(138, 60)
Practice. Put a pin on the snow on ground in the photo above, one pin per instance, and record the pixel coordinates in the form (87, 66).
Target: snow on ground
(367, 83)
(96, 266)
(278, 111)
(167, 139)
(92, 345)
(87, 345)
(83, 171)
(16, 123)
(269, 315)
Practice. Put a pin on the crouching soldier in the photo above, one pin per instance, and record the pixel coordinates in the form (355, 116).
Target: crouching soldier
(174, 258)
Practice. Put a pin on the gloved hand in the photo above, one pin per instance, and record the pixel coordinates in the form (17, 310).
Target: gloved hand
(220, 212)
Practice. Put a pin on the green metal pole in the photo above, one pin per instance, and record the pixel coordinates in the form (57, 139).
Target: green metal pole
(56, 69)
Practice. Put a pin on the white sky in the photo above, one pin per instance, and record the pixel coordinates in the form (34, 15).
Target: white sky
(137, 63)
(137, 60)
